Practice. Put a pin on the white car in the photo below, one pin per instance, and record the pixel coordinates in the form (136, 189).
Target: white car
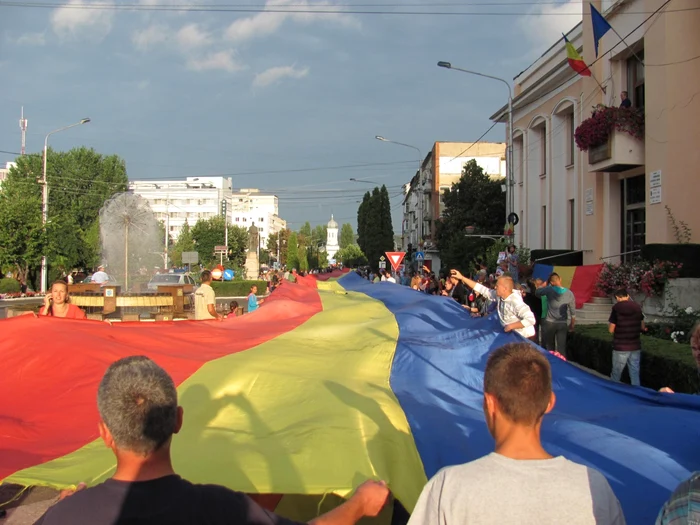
(170, 279)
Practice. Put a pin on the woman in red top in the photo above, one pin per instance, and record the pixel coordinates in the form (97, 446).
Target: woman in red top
(57, 303)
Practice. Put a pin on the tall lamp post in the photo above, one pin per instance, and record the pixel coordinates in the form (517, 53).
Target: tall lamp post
(509, 156)
(45, 196)
(420, 200)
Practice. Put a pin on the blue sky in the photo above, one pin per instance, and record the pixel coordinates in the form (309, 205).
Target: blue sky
(283, 102)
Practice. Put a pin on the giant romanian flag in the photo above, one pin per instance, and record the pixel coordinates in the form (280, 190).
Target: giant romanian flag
(327, 384)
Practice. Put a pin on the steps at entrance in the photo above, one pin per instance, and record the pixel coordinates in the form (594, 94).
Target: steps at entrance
(597, 311)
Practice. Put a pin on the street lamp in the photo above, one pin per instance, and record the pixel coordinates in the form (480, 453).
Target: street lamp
(509, 157)
(420, 200)
(45, 196)
(365, 181)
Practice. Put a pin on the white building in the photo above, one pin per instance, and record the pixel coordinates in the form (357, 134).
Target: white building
(177, 201)
(332, 245)
(4, 171)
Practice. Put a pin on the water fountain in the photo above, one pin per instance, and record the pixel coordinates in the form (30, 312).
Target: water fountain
(130, 234)
(131, 241)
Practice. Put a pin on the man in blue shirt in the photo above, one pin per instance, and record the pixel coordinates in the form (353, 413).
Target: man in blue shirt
(253, 302)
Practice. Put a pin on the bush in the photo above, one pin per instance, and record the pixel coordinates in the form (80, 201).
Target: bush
(686, 254)
(9, 285)
(664, 363)
(237, 288)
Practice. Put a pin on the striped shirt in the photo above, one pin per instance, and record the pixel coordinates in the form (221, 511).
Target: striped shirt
(683, 508)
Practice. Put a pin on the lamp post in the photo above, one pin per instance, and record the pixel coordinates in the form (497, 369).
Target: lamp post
(509, 156)
(45, 195)
(420, 200)
(365, 181)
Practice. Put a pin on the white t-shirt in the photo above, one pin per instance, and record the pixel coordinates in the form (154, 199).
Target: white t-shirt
(203, 297)
(100, 277)
(496, 489)
(391, 279)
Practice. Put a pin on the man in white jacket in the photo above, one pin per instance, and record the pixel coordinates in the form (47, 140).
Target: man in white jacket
(514, 314)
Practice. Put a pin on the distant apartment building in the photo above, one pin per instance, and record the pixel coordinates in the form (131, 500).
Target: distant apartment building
(610, 200)
(176, 201)
(441, 168)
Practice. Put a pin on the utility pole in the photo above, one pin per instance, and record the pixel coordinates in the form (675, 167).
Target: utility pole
(23, 128)
(167, 232)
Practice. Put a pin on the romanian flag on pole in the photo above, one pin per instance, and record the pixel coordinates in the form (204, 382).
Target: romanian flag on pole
(575, 60)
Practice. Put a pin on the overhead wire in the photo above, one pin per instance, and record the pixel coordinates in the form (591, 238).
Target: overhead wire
(321, 10)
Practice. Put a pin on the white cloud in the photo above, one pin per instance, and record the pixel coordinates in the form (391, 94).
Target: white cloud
(544, 31)
(31, 39)
(191, 36)
(77, 20)
(264, 24)
(275, 74)
(152, 35)
(224, 60)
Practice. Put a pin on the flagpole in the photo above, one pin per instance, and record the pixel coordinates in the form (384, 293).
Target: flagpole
(628, 47)
(601, 86)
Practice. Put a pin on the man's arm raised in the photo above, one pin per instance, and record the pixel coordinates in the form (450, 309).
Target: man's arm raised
(465, 280)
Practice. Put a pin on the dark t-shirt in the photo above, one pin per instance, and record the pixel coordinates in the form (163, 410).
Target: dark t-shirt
(627, 317)
(167, 500)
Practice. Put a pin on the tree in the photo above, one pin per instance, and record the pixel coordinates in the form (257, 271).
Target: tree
(184, 243)
(376, 234)
(292, 251)
(305, 230)
(208, 233)
(277, 242)
(351, 256)
(347, 236)
(475, 200)
(79, 181)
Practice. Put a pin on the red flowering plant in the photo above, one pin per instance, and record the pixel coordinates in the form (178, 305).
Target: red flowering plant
(638, 276)
(596, 130)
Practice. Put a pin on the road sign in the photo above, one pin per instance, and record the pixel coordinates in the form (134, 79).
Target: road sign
(382, 265)
(221, 248)
(190, 257)
(395, 258)
(420, 256)
(382, 258)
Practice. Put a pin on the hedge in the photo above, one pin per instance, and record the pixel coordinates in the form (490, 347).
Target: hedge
(686, 254)
(664, 363)
(557, 257)
(9, 285)
(237, 288)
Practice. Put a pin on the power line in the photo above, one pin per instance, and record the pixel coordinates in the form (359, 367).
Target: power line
(194, 8)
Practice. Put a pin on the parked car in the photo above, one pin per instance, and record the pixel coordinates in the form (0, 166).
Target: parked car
(169, 279)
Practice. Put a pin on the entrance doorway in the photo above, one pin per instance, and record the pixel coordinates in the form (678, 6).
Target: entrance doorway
(633, 192)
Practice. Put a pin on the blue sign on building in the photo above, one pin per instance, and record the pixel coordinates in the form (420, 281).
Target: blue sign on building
(420, 256)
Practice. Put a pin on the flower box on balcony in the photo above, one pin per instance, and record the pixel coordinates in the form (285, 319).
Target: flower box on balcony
(613, 138)
(621, 152)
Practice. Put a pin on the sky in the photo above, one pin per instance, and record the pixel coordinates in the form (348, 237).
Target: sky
(288, 102)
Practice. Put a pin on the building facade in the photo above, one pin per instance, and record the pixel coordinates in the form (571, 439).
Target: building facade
(423, 203)
(609, 201)
(175, 201)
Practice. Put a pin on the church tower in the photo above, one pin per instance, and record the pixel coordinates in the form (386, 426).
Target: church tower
(332, 239)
